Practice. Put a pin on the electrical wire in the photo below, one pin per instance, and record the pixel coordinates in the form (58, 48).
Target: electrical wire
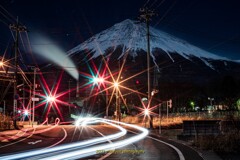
(9, 14)
(160, 4)
(5, 16)
(3, 22)
(146, 3)
(165, 14)
(153, 4)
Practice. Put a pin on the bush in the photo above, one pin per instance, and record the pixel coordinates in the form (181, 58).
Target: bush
(228, 143)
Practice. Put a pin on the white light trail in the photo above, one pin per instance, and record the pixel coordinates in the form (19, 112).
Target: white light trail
(72, 145)
(27, 135)
(93, 150)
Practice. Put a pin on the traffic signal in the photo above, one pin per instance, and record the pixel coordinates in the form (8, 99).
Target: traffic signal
(192, 103)
(137, 82)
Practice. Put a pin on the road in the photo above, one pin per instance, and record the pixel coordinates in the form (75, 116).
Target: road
(148, 148)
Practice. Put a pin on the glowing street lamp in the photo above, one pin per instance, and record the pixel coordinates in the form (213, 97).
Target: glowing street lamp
(211, 100)
(146, 112)
(101, 80)
(192, 103)
(26, 112)
(1, 63)
(51, 98)
(97, 80)
(116, 84)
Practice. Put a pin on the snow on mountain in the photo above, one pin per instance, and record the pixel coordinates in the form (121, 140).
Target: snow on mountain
(132, 37)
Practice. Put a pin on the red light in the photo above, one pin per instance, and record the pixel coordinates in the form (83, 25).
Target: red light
(137, 82)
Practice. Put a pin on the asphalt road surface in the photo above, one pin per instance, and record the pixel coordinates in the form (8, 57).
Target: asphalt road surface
(149, 148)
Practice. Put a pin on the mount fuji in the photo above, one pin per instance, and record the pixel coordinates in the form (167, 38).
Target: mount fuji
(174, 57)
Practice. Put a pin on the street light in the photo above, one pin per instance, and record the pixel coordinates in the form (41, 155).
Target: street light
(97, 80)
(51, 98)
(211, 100)
(26, 112)
(146, 111)
(116, 84)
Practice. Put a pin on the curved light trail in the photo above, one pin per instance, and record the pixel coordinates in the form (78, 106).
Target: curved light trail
(108, 154)
(64, 137)
(66, 147)
(106, 147)
(14, 137)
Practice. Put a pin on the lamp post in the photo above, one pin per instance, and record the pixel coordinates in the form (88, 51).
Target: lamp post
(118, 114)
(34, 93)
(211, 100)
(146, 113)
(160, 118)
(69, 95)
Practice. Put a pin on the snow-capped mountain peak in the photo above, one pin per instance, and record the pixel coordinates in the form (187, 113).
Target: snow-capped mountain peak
(131, 35)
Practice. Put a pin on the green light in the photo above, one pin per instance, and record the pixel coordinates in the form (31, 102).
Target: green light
(238, 102)
(192, 103)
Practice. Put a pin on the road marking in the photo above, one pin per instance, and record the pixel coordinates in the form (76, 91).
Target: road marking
(5, 140)
(64, 137)
(38, 141)
(168, 144)
(67, 147)
(109, 153)
(76, 154)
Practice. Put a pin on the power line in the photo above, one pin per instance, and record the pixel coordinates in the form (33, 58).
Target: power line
(165, 14)
(146, 3)
(160, 3)
(13, 20)
(5, 16)
(3, 22)
(153, 3)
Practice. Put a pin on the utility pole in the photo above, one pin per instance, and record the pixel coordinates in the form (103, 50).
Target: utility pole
(69, 95)
(77, 90)
(4, 110)
(17, 28)
(34, 93)
(118, 112)
(160, 118)
(146, 14)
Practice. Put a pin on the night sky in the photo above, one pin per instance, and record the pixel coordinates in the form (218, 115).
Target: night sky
(213, 25)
